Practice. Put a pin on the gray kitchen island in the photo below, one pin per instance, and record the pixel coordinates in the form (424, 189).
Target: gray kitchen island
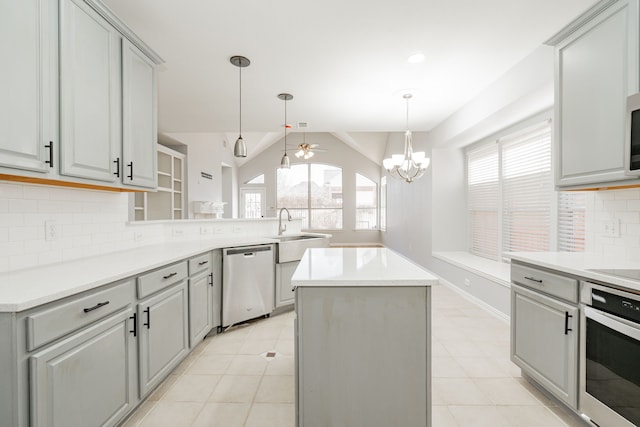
(363, 339)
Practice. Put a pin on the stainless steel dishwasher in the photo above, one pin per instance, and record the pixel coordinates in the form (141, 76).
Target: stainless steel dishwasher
(248, 283)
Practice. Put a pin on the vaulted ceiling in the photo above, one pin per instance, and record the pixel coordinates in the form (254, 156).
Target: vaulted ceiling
(344, 61)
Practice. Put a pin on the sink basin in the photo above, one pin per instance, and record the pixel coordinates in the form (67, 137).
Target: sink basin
(291, 248)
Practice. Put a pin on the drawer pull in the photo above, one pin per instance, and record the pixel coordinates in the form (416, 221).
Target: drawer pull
(211, 279)
(566, 323)
(203, 262)
(135, 324)
(148, 324)
(169, 275)
(95, 307)
(533, 279)
(130, 166)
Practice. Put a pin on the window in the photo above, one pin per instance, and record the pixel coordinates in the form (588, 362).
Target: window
(252, 202)
(366, 203)
(383, 203)
(509, 192)
(312, 192)
(571, 221)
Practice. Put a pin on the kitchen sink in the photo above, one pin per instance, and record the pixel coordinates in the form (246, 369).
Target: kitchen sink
(291, 248)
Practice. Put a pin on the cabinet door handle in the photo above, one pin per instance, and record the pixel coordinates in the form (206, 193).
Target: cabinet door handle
(533, 279)
(135, 324)
(169, 275)
(95, 307)
(148, 324)
(211, 279)
(203, 262)
(50, 147)
(117, 162)
(566, 323)
(130, 166)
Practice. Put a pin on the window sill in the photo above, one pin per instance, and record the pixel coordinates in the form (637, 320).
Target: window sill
(498, 272)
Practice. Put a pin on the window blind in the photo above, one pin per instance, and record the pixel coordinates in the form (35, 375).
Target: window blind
(527, 189)
(482, 192)
(571, 221)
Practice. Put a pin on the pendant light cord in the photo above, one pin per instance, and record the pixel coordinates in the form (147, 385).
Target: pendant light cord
(285, 126)
(240, 132)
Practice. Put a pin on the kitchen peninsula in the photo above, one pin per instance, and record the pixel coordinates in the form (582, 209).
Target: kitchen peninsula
(363, 339)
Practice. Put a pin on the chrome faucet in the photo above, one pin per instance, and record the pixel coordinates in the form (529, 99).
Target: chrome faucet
(283, 228)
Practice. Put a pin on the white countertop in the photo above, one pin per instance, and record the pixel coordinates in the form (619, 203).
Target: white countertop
(359, 267)
(24, 289)
(581, 264)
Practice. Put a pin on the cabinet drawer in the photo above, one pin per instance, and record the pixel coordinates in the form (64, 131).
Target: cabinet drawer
(159, 279)
(48, 325)
(199, 263)
(544, 281)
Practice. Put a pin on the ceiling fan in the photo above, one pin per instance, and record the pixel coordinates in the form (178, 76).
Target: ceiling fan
(306, 151)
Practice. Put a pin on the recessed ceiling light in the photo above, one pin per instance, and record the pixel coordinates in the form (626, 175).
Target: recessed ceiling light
(416, 58)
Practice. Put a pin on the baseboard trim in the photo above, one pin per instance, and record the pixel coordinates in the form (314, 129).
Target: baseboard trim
(487, 307)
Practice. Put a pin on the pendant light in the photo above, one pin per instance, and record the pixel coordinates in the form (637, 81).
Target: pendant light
(240, 148)
(410, 165)
(285, 163)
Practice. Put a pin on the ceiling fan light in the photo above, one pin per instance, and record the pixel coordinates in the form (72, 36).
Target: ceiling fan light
(240, 148)
(299, 153)
(308, 155)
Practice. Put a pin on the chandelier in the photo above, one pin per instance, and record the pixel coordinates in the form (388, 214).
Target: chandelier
(410, 165)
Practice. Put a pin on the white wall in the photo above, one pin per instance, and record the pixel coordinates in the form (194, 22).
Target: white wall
(91, 223)
(523, 92)
(430, 214)
(337, 154)
(622, 206)
(206, 153)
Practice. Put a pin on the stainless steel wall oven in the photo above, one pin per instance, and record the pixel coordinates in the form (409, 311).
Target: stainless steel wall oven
(610, 356)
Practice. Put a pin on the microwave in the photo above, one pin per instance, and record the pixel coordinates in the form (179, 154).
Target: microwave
(632, 140)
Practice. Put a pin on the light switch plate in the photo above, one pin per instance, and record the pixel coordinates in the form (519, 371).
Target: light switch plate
(611, 228)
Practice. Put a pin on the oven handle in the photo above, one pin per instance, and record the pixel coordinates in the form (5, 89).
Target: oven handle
(618, 324)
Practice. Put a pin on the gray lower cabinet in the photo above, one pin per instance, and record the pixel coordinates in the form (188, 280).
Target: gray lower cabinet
(284, 291)
(544, 341)
(163, 339)
(84, 380)
(200, 298)
(363, 356)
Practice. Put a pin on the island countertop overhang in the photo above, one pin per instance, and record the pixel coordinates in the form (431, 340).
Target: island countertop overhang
(359, 267)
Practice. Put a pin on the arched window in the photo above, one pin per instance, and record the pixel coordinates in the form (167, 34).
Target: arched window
(313, 192)
(366, 203)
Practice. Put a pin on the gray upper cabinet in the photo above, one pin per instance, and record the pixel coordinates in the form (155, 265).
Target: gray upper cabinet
(596, 69)
(78, 96)
(28, 82)
(89, 93)
(84, 380)
(139, 129)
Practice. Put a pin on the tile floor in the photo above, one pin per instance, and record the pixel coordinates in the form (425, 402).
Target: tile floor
(228, 381)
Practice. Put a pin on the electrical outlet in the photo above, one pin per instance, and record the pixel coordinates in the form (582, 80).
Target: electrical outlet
(218, 230)
(611, 228)
(137, 236)
(51, 231)
(237, 229)
(177, 232)
(467, 282)
(206, 230)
